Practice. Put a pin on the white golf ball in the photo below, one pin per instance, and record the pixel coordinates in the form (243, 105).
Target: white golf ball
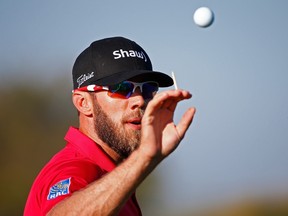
(203, 17)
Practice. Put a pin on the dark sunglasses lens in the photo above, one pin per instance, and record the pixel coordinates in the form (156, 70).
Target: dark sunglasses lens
(149, 90)
(121, 90)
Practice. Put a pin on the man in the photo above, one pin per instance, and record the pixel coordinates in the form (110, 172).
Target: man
(125, 131)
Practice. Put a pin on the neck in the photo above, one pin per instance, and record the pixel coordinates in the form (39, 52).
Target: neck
(109, 151)
(113, 155)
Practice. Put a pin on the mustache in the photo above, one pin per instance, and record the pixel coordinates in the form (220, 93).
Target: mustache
(136, 114)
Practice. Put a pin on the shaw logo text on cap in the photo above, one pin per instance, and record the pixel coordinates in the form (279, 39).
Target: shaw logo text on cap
(130, 53)
(112, 60)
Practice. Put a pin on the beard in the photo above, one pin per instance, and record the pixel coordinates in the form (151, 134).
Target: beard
(114, 134)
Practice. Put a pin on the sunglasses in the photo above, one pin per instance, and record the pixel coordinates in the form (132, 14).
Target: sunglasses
(125, 89)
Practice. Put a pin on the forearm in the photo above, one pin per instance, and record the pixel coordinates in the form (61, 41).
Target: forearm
(107, 195)
(159, 138)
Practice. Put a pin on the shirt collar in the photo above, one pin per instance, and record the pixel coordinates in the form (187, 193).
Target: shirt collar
(89, 148)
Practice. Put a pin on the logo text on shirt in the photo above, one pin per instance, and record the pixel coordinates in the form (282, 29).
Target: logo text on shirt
(59, 189)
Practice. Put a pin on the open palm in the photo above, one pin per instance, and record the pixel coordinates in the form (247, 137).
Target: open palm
(160, 135)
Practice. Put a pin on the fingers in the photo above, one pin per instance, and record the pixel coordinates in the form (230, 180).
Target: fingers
(159, 132)
(167, 100)
(185, 122)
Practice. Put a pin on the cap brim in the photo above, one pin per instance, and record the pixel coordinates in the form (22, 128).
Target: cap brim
(163, 79)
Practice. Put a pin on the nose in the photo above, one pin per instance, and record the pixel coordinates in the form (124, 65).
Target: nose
(136, 100)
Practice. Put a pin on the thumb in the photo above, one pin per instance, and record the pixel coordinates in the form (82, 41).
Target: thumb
(185, 122)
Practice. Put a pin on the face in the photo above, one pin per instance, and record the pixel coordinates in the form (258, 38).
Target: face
(117, 121)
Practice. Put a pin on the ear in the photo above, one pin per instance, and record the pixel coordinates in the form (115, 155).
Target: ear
(83, 102)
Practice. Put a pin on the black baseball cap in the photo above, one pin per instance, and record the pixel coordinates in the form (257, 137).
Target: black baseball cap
(112, 60)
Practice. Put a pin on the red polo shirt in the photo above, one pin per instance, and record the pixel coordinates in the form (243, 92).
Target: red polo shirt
(81, 162)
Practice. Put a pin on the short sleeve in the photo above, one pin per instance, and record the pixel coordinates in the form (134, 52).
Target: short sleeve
(63, 180)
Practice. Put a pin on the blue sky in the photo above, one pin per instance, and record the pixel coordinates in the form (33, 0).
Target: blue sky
(237, 71)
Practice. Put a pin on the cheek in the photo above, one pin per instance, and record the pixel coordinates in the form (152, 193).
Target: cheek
(115, 109)
(115, 115)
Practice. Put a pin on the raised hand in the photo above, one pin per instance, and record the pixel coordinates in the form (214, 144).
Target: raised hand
(160, 135)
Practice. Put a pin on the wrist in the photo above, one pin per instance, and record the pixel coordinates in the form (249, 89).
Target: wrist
(145, 159)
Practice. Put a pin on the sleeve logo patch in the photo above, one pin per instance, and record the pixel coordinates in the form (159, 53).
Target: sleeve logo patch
(59, 189)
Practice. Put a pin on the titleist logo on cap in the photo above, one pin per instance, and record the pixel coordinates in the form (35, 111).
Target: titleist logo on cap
(129, 53)
(84, 78)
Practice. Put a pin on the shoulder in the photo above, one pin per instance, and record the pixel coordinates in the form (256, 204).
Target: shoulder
(60, 179)
(78, 169)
